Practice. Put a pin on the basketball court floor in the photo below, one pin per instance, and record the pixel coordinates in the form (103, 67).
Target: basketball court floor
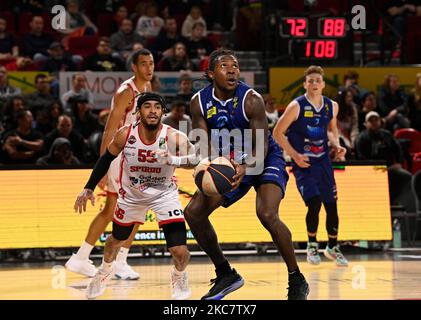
(368, 276)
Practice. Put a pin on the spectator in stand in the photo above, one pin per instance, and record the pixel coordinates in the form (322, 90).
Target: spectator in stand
(185, 92)
(22, 145)
(48, 117)
(58, 60)
(107, 6)
(11, 108)
(85, 122)
(79, 88)
(122, 41)
(120, 14)
(375, 143)
(177, 118)
(60, 153)
(414, 104)
(65, 130)
(392, 103)
(103, 60)
(156, 84)
(8, 47)
(36, 43)
(77, 23)
(351, 79)
(42, 97)
(6, 90)
(199, 46)
(398, 10)
(150, 24)
(272, 113)
(167, 38)
(178, 61)
(193, 17)
(368, 103)
(347, 120)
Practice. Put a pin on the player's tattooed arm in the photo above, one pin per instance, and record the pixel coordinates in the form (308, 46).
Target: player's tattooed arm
(254, 107)
(100, 169)
(121, 101)
(199, 122)
(279, 134)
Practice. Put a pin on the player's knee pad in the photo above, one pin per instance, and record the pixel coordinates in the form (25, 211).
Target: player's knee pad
(175, 234)
(120, 232)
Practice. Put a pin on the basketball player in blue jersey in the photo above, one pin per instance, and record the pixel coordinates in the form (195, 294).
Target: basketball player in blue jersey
(303, 131)
(230, 104)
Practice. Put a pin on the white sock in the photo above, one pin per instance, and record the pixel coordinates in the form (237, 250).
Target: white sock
(122, 254)
(106, 266)
(84, 251)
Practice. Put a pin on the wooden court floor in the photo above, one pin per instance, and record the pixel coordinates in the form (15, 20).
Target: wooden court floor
(366, 277)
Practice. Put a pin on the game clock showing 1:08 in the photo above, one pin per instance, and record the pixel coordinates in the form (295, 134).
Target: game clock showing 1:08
(320, 45)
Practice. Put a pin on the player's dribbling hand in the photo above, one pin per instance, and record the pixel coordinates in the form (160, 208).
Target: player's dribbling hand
(240, 171)
(301, 160)
(82, 199)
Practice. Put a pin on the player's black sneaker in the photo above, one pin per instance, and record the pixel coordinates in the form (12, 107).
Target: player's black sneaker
(224, 284)
(298, 288)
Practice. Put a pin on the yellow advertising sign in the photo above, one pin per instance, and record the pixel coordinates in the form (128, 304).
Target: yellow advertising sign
(37, 209)
(286, 84)
(25, 80)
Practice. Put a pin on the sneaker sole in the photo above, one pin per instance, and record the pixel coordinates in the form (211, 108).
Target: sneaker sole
(235, 286)
(313, 263)
(79, 272)
(329, 256)
(185, 297)
(117, 277)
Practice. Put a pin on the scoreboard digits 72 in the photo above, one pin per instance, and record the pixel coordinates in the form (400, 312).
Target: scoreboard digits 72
(315, 38)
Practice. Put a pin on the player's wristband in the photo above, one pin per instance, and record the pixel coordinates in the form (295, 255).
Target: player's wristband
(100, 169)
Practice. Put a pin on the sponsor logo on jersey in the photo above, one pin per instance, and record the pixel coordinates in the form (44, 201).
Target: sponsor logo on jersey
(235, 102)
(308, 114)
(145, 169)
(131, 140)
(308, 108)
(209, 105)
(211, 112)
(161, 143)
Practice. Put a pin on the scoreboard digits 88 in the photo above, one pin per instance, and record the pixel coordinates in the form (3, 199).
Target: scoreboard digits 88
(306, 44)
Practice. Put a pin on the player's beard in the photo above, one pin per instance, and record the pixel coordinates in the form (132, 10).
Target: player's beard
(149, 126)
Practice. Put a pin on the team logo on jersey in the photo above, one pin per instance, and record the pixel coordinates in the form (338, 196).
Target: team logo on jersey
(161, 143)
(209, 105)
(211, 112)
(308, 114)
(131, 140)
(235, 102)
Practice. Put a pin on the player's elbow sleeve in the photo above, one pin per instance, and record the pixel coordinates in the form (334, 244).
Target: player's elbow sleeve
(100, 169)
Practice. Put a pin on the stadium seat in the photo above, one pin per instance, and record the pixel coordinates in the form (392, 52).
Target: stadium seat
(104, 22)
(411, 39)
(413, 136)
(23, 22)
(416, 162)
(84, 46)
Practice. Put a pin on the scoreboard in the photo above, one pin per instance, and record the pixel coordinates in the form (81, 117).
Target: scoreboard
(316, 38)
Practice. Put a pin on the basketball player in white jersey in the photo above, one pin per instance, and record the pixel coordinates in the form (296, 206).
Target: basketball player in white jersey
(146, 171)
(122, 113)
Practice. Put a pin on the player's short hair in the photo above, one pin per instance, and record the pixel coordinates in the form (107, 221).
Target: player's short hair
(213, 58)
(141, 52)
(314, 69)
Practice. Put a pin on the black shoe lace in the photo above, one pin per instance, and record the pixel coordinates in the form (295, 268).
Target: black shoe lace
(213, 281)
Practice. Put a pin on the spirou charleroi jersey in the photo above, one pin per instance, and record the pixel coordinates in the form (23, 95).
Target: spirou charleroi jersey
(308, 134)
(129, 115)
(142, 178)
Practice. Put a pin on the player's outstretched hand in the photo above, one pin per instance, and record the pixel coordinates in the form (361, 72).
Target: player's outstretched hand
(301, 160)
(240, 171)
(82, 199)
(160, 156)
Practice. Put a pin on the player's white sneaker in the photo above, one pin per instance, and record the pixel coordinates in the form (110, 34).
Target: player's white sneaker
(180, 285)
(83, 267)
(98, 283)
(124, 272)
